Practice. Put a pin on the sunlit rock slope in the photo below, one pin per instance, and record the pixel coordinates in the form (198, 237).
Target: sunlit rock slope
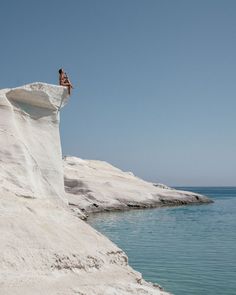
(96, 186)
(44, 247)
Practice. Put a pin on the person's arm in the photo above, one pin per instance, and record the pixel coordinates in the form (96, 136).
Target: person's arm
(62, 81)
(69, 82)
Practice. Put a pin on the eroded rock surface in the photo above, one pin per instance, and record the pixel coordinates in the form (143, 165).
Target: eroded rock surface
(30, 152)
(44, 247)
(96, 186)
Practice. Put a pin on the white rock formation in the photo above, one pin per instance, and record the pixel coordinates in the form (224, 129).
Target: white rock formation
(30, 151)
(44, 247)
(161, 185)
(95, 186)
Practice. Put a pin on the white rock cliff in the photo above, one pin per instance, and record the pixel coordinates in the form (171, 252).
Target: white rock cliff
(44, 247)
(30, 151)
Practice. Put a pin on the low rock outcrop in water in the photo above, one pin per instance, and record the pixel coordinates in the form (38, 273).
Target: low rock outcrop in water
(95, 186)
(44, 247)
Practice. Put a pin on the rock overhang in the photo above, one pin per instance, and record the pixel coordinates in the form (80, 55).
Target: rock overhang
(30, 152)
(38, 94)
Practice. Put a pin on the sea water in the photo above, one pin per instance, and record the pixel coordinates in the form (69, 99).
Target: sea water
(188, 250)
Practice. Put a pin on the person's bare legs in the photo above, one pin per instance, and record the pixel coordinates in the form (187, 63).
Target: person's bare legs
(69, 86)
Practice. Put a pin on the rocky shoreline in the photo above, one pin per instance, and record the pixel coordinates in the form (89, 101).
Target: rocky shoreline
(94, 186)
(45, 248)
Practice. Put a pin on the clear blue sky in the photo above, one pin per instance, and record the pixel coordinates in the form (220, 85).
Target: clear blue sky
(155, 80)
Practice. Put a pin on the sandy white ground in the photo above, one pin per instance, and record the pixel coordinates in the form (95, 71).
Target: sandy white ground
(96, 186)
(44, 247)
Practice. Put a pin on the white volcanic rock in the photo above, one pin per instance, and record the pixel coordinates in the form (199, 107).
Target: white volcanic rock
(30, 151)
(161, 185)
(44, 247)
(95, 186)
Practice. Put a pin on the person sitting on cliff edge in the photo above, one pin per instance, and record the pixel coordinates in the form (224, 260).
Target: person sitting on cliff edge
(64, 80)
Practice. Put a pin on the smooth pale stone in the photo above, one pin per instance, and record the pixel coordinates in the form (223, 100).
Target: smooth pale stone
(44, 247)
(30, 150)
(96, 186)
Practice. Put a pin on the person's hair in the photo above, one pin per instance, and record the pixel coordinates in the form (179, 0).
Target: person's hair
(60, 71)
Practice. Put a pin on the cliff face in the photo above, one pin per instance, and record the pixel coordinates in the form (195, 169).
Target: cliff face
(30, 151)
(44, 248)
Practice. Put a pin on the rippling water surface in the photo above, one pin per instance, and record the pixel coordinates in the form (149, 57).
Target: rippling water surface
(188, 250)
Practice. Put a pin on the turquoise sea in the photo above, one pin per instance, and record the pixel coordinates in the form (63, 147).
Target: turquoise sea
(189, 250)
